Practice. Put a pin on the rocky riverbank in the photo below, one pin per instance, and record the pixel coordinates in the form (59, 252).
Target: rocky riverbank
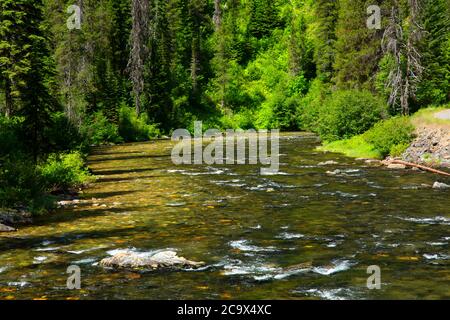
(431, 147)
(10, 219)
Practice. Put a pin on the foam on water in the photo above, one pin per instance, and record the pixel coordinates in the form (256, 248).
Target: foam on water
(19, 284)
(437, 256)
(288, 236)
(328, 294)
(338, 266)
(244, 245)
(434, 220)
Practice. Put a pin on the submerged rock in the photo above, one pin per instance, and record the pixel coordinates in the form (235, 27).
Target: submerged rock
(327, 163)
(440, 185)
(396, 166)
(373, 161)
(160, 260)
(4, 228)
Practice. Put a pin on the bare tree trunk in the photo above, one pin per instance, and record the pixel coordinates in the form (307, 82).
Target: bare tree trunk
(403, 81)
(139, 36)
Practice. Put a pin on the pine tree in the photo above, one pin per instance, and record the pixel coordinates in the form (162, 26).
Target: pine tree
(263, 18)
(15, 48)
(327, 16)
(358, 48)
(36, 82)
(435, 84)
(301, 51)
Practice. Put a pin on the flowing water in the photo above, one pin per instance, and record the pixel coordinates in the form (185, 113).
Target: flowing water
(301, 234)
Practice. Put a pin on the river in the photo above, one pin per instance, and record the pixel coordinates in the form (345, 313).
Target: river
(301, 234)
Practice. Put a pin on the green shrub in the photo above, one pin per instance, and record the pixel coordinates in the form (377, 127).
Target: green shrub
(97, 129)
(62, 172)
(307, 112)
(398, 149)
(391, 136)
(243, 119)
(134, 128)
(349, 113)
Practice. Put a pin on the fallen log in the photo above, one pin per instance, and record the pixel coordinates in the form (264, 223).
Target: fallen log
(410, 164)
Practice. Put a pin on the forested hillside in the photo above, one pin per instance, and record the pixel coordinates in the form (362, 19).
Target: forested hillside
(137, 69)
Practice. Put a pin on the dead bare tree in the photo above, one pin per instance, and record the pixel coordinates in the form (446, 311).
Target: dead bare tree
(139, 36)
(402, 46)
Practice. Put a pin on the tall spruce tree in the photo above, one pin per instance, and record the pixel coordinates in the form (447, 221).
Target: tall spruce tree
(435, 85)
(34, 83)
(358, 48)
(324, 55)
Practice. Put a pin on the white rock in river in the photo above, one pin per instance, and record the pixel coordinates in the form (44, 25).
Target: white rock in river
(440, 185)
(4, 228)
(160, 260)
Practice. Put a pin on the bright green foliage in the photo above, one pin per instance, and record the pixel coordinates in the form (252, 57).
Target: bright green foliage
(136, 128)
(63, 171)
(356, 147)
(391, 136)
(288, 64)
(348, 113)
(388, 137)
(98, 130)
(308, 109)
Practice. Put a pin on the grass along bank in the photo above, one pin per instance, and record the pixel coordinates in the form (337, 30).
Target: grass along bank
(395, 137)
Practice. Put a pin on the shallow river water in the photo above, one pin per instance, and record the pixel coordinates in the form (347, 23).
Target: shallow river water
(301, 234)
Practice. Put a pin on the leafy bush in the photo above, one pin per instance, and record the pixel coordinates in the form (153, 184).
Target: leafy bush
(134, 128)
(349, 113)
(64, 171)
(243, 119)
(307, 113)
(98, 130)
(391, 136)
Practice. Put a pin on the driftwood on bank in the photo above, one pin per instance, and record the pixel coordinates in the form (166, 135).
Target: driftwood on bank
(410, 164)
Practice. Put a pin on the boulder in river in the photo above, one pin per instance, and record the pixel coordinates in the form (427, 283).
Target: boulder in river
(396, 166)
(440, 185)
(4, 228)
(159, 261)
(335, 172)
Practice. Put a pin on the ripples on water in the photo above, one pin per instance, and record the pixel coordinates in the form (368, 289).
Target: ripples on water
(308, 232)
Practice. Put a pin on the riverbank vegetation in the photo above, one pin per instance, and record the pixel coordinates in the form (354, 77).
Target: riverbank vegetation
(136, 70)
